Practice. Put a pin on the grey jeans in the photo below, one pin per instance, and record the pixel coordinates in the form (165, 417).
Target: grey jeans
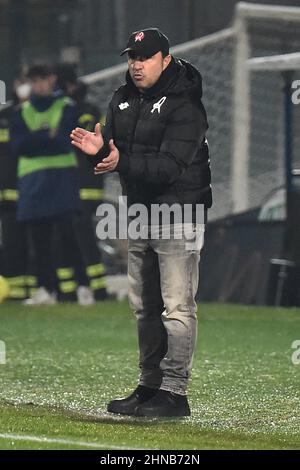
(163, 280)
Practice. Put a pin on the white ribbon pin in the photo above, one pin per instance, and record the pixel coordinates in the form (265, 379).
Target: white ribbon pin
(123, 105)
(158, 105)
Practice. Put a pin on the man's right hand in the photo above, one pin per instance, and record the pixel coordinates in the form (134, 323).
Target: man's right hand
(88, 142)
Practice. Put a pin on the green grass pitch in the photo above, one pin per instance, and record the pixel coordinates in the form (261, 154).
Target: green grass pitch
(64, 363)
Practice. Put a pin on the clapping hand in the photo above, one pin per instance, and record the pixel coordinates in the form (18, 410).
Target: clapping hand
(86, 141)
(109, 163)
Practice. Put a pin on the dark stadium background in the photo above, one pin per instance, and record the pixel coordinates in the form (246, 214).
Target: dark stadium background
(35, 29)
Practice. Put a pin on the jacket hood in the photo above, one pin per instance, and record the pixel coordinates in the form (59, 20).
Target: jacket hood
(187, 79)
(179, 77)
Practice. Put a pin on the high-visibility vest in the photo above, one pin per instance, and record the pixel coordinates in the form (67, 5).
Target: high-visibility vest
(37, 120)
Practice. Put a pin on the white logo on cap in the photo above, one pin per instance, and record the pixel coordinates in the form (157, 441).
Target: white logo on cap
(139, 36)
(158, 105)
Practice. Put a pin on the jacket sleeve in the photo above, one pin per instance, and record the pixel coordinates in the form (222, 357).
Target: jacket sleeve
(184, 134)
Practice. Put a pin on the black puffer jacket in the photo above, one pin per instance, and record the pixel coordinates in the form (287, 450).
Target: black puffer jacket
(161, 138)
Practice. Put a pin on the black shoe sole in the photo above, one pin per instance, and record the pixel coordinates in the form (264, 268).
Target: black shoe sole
(161, 414)
(123, 413)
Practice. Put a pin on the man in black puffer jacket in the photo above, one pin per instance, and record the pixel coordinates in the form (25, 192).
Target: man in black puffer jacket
(155, 139)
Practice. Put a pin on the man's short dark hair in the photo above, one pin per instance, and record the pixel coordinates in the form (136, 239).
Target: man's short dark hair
(40, 71)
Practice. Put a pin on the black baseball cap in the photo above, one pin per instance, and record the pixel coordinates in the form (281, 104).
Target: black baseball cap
(147, 42)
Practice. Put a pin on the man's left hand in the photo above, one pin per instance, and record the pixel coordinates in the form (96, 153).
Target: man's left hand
(109, 163)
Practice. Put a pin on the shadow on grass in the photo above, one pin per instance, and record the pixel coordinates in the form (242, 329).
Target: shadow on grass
(94, 416)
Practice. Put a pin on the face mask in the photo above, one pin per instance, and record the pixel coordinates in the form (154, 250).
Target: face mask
(23, 91)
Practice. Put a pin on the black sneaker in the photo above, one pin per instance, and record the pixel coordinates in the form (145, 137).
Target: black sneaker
(166, 404)
(127, 406)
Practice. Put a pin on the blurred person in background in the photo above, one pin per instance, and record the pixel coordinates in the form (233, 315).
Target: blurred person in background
(91, 186)
(13, 236)
(48, 182)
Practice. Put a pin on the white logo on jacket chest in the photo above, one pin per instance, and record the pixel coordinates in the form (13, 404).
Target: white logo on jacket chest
(158, 105)
(123, 105)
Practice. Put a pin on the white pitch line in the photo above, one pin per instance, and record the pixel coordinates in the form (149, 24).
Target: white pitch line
(94, 445)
